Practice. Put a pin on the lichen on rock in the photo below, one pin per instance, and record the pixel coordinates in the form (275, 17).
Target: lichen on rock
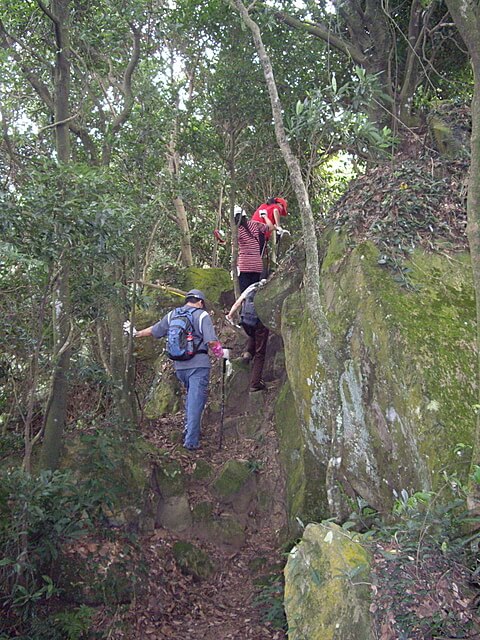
(327, 595)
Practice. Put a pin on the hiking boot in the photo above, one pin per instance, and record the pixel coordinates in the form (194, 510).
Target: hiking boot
(190, 448)
(261, 386)
(246, 357)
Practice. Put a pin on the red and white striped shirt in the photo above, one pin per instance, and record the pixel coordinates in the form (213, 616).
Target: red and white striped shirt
(249, 257)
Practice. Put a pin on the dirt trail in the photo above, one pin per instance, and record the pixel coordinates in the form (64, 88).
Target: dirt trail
(223, 606)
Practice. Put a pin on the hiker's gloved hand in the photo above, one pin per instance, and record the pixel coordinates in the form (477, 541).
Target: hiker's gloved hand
(217, 350)
(226, 354)
(127, 328)
(281, 232)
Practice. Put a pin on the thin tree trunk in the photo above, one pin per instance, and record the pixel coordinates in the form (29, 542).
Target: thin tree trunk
(57, 408)
(57, 412)
(326, 354)
(467, 19)
(185, 237)
(473, 233)
(29, 439)
(148, 250)
(231, 206)
(219, 224)
(173, 164)
(122, 391)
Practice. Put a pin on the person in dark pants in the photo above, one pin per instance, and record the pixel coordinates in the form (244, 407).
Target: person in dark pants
(250, 261)
(257, 334)
(193, 373)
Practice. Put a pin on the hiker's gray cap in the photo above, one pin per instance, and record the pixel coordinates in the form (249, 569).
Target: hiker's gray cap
(196, 293)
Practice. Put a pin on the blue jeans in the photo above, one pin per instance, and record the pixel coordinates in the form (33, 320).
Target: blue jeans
(196, 384)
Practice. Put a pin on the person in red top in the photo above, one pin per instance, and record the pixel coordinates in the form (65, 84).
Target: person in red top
(250, 263)
(272, 210)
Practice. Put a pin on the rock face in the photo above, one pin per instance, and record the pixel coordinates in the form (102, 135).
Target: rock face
(327, 596)
(406, 384)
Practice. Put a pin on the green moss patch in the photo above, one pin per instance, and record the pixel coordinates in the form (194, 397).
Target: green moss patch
(192, 560)
(170, 479)
(213, 282)
(232, 478)
(328, 573)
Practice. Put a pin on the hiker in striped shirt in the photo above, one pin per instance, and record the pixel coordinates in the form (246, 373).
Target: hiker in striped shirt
(250, 259)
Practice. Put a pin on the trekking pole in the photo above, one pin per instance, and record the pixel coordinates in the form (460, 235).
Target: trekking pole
(222, 407)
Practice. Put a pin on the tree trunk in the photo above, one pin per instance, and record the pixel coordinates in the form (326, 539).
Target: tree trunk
(467, 19)
(185, 237)
(123, 390)
(327, 357)
(173, 162)
(231, 165)
(57, 410)
(57, 407)
(218, 226)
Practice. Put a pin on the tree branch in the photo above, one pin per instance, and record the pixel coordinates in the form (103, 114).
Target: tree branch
(56, 124)
(127, 81)
(322, 32)
(48, 13)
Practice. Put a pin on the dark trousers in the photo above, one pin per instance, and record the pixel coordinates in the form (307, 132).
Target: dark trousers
(257, 347)
(246, 278)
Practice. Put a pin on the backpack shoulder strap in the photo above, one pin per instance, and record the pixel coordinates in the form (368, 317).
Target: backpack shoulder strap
(200, 320)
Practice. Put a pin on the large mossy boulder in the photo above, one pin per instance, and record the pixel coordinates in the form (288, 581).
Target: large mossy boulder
(406, 381)
(213, 282)
(327, 594)
(304, 472)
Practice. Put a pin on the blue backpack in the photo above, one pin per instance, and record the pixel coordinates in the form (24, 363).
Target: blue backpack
(181, 343)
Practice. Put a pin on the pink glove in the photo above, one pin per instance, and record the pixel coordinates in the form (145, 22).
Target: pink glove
(217, 350)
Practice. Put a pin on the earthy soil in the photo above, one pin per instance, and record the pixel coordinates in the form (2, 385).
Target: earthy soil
(173, 605)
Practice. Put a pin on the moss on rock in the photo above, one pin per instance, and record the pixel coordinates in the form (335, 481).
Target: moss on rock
(202, 470)
(164, 395)
(408, 387)
(147, 350)
(192, 560)
(202, 512)
(213, 282)
(406, 380)
(226, 530)
(306, 498)
(327, 595)
(169, 477)
(233, 476)
(174, 514)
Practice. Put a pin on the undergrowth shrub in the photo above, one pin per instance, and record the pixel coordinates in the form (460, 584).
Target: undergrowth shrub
(427, 568)
(37, 516)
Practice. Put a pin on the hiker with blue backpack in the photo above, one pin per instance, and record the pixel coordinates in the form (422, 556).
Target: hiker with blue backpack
(256, 331)
(190, 333)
